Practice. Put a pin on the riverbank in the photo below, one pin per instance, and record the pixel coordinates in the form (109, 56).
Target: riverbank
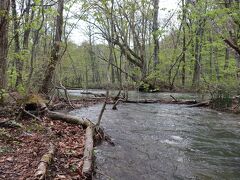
(26, 142)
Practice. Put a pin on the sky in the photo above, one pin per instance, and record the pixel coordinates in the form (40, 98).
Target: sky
(78, 35)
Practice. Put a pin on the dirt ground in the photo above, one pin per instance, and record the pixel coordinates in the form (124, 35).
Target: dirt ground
(21, 148)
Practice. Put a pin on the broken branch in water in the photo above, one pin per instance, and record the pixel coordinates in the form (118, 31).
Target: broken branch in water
(174, 98)
(116, 103)
(103, 109)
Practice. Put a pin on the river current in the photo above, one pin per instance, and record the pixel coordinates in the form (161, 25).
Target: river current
(162, 141)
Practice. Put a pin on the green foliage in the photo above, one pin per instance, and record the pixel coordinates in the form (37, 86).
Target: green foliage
(221, 98)
(3, 95)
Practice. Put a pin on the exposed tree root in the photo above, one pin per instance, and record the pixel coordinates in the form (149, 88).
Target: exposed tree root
(45, 162)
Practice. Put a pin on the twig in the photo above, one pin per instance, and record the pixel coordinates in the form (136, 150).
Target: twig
(116, 103)
(30, 114)
(103, 109)
(174, 98)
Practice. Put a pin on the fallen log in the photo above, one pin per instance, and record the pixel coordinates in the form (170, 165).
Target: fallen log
(69, 119)
(94, 94)
(44, 163)
(201, 104)
(88, 153)
(146, 101)
(185, 102)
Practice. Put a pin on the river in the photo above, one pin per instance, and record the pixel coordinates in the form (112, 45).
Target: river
(162, 141)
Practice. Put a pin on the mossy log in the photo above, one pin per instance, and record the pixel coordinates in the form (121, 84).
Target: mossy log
(69, 119)
(44, 163)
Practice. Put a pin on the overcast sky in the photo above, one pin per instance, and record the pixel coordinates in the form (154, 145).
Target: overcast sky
(78, 35)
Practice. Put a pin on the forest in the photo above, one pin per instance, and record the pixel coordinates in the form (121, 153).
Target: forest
(137, 46)
(194, 48)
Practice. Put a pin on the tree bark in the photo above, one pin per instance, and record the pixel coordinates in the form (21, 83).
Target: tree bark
(55, 53)
(155, 33)
(184, 48)
(69, 119)
(17, 50)
(198, 57)
(88, 153)
(45, 162)
(227, 56)
(4, 9)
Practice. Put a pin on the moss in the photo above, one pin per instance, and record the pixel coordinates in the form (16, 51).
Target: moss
(5, 149)
(4, 135)
(35, 127)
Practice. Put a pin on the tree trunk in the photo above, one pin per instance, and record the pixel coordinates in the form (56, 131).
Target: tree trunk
(227, 54)
(55, 58)
(237, 59)
(155, 33)
(18, 61)
(216, 63)
(198, 57)
(211, 57)
(88, 153)
(184, 43)
(4, 8)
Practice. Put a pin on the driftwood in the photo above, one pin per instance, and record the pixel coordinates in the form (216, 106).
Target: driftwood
(44, 163)
(184, 102)
(173, 98)
(201, 104)
(94, 94)
(88, 153)
(116, 103)
(69, 119)
(150, 101)
(103, 109)
(145, 101)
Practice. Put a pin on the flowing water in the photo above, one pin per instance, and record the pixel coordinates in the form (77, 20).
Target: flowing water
(162, 141)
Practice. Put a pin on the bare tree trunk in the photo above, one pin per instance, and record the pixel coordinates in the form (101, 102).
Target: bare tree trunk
(216, 63)
(55, 53)
(91, 54)
(237, 59)
(211, 57)
(155, 33)
(4, 9)
(27, 31)
(184, 43)
(198, 57)
(18, 61)
(227, 56)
